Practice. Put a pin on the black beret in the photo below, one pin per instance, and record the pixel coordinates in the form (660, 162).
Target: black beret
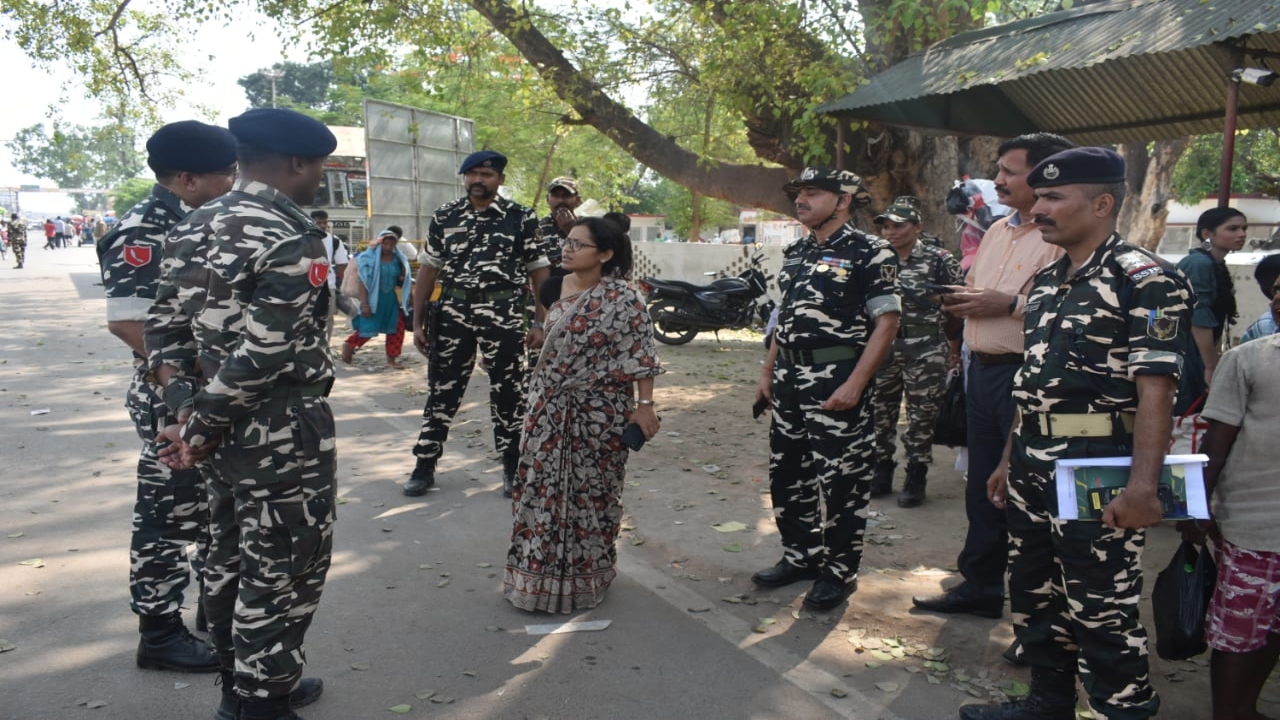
(1078, 166)
(283, 131)
(484, 158)
(191, 146)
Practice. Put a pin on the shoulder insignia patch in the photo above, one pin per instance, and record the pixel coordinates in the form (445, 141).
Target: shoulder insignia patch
(889, 273)
(1138, 265)
(137, 255)
(1161, 327)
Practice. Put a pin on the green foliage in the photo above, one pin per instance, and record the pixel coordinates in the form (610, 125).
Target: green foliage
(660, 196)
(129, 193)
(1256, 168)
(78, 156)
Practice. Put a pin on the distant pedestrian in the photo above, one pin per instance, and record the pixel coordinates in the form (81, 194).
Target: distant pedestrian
(921, 355)
(384, 298)
(59, 232)
(18, 239)
(1267, 274)
(562, 199)
(1220, 231)
(50, 232)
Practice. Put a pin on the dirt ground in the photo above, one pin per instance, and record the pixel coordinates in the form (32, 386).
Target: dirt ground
(709, 467)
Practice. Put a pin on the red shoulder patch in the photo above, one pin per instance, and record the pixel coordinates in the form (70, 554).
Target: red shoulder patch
(318, 273)
(137, 255)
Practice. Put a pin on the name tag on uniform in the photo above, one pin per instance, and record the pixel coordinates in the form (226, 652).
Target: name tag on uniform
(453, 231)
(1031, 307)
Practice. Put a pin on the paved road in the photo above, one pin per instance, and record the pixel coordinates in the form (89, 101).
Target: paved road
(389, 626)
(413, 604)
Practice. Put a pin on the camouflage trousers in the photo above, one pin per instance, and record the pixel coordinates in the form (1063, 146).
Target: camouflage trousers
(916, 367)
(460, 329)
(820, 467)
(19, 251)
(170, 514)
(272, 497)
(1074, 586)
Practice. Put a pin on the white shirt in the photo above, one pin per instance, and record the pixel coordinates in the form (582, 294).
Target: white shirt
(337, 256)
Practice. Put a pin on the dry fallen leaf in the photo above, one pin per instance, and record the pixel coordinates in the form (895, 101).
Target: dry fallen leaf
(400, 709)
(733, 548)
(887, 686)
(33, 562)
(360, 666)
(731, 526)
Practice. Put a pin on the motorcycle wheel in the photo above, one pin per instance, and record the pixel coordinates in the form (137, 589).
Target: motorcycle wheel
(669, 333)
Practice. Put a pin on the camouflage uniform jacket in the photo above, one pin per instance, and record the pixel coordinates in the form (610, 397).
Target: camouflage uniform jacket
(1126, 312)
(17, 230)
(552, 240)
(925, 264)
(243, 302)
(832, 292)
(490, 249)
(129, 255)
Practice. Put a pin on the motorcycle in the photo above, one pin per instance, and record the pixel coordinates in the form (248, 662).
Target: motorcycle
(680, 310)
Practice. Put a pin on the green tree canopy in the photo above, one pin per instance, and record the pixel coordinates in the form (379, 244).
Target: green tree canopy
(76, 156)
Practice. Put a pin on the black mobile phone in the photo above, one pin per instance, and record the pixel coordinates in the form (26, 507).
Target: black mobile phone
(759, 407)
(633, 437)
(939, 289)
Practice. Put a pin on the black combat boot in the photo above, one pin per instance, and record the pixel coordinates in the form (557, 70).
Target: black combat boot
(166, 644)
(509, 465)
(308, 691)
(423, 477)
(912, 494)
(882, 482)
(267, 709)
(1052, 697)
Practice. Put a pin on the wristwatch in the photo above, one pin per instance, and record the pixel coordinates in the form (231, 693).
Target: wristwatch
(534, 324)
(644, 402)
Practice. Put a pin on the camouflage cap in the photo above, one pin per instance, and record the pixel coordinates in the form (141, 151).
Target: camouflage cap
(831, 180)
(905, 208)
(566, 182)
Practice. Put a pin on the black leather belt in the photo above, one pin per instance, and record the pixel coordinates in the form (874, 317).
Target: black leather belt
(479, 296)
(819, 356)
(998, 358)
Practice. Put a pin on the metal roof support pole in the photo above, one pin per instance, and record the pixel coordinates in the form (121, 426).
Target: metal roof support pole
(1229, 130)
(840, 121)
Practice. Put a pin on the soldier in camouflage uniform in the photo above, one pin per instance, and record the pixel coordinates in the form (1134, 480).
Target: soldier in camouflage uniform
(18, 239)
(920, 357)
(193, 163)
(483, 249)
(836, 324)
(244, 305)
(1107, 329)
(562, 200)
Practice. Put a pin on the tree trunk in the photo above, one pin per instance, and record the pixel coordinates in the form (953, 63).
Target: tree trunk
(1146, 209)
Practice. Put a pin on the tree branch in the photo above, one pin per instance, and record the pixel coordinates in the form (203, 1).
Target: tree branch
(752, 185)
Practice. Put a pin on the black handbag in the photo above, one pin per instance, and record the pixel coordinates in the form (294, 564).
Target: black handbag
(1180, 602)
(951, 427)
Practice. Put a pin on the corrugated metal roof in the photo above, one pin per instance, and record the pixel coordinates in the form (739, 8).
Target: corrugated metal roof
(1123, 71)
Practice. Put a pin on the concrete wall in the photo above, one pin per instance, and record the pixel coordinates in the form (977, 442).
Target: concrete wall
(689, 261)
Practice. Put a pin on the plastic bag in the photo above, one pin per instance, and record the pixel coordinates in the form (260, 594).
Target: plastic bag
(1188, 430)
(951, 428)
(1180, 601)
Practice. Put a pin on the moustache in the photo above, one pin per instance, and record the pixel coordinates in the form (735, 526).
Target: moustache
(1043, 221)
(1002, 189)
(803, 206)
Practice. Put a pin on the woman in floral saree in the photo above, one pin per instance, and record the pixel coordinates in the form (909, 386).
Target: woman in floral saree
(597, 355)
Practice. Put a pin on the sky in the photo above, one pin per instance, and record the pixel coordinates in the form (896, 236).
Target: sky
(244, 47)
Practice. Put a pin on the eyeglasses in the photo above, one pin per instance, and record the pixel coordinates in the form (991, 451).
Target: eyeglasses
(576, 245)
